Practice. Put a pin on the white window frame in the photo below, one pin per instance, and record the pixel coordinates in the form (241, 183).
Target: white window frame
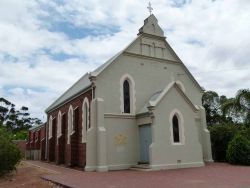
(59, 125)
(50, 126)
(85, 126)
(181, 127)
(70, 123)
(132, 92)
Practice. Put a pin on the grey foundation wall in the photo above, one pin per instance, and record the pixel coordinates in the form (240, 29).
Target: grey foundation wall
(33, 154)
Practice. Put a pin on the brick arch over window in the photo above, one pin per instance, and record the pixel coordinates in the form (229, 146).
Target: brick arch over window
(85, 119)
(176, 127)
(70, 123)
(127, 92)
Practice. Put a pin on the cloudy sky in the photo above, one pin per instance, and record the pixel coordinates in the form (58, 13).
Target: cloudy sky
(46, 45)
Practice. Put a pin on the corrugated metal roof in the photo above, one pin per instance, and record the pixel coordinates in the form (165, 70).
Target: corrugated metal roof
(83, 82)
(103, 66)
(79, 86)
(36, 127)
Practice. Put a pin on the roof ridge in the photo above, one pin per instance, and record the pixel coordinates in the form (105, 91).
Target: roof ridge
(166, 90)
(64, 93)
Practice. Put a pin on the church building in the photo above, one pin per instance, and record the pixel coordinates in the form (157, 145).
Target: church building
(142, 108)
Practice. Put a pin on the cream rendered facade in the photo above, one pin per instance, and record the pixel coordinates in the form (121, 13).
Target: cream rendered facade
(160, 87)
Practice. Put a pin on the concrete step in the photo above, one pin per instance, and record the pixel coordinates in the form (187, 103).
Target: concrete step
(141, 167)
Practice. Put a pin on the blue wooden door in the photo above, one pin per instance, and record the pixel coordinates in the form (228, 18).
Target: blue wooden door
(145, 141)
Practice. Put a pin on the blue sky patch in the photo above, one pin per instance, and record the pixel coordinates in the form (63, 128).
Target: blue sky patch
(9, 88)
(180, 3)
(10, 58)
(60, 56)
(193, 41)
(74, 32)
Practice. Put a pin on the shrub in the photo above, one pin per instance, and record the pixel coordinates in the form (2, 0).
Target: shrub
(9, 153)
(246, 133)
(21, 135)
(221, 135)
(238, 151)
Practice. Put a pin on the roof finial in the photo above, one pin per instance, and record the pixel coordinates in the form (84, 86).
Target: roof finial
(149, 8)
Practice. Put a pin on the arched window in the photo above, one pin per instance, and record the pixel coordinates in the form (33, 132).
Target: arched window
(59, 124)
(85, 119)
(50, 127)
(70, 123)
(176, 132)
(176, 121)
(126, 96)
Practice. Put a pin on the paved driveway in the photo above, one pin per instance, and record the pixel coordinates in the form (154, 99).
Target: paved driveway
(213, 175)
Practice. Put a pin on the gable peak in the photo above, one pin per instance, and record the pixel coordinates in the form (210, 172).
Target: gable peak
(151, 27)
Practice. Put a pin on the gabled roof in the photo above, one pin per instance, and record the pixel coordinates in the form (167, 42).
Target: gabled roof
(154, 101)
(82, 84)
(151, 98)
(36, 127)
(151, 28)
(156, 98)
(97, 71)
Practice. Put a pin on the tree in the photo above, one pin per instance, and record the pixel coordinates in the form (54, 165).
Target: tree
(16, 120)
(20, 135)
(212, 102)
(238, 151)
(221, 135)
(239, 106)
(4, 109)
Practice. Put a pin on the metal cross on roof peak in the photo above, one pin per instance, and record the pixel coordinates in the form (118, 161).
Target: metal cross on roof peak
(149, 8)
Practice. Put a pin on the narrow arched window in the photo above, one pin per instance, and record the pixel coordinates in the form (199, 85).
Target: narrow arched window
(50, 127)
(59, 124)
(86, 116)
(85, 119)
(70, 123)
(126, 96)
(176, 132)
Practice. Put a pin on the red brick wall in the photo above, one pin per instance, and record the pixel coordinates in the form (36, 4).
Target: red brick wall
(28, 141)
(43, 143)
(52, 142)
(31, 142)
(68, 155)
(36, 141)
(43, 132)
(21, 144)
(75, 151)
(37, 134)
(82, 154)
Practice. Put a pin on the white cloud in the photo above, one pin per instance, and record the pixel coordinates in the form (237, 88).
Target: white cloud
(207, 35)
